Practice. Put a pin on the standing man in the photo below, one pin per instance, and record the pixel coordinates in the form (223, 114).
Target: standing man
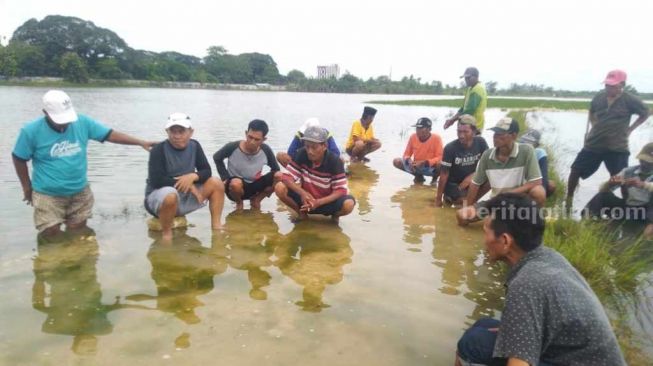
(475, 100)
(297, 143)
(508, 167)
(459, 163)
(551, 315)
(56, 143)
(607, 141)
(423, 153)
(179, 177)
(243, 177)
(315, 182)
(361, 138)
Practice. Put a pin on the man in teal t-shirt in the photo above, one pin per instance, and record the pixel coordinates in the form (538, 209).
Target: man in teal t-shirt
(56, 144)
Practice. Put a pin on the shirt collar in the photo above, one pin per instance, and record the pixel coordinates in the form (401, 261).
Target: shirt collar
(529, 256)
(513, 153)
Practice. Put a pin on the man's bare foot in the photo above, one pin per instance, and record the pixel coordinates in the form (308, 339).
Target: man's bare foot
(240, 205)
(166, 236)
(255, 202)
(648, 231)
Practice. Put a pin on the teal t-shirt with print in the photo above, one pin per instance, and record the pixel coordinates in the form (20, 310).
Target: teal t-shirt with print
(59, 161)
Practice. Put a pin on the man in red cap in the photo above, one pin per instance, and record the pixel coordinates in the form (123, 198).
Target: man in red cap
(607, 141)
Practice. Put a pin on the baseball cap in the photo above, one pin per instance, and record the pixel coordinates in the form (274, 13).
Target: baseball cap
(647, 153)
(506, 125)
(59, 107)
(311, 122)
(315, 134)
(615, 77)
(467, 119)
(470, 71)
(423, 122)
(531, 137)
(179, 119)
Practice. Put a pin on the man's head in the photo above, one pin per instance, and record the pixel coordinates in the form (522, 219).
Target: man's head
(423, 128)
(513, 227)
(58, 107)
(256, 133)
(505, 132)
(466, 129)
(471, 76)
(179, 129)
(315, 143)
(645, 157)
(615, 82)
(368, 116)
(531, 137)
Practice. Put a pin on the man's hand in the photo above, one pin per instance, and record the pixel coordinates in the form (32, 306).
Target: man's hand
(308, 202)
(196, 192)
(418, 164)
(633, 182)
(147, 145)
(616, 180)
(465, 183)
(185, 182)
(27, 196)
(449, 122)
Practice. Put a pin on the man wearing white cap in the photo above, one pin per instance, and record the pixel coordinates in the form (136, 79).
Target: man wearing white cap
(179, 177)
(607, 141)
(56, 143)
(297, 143)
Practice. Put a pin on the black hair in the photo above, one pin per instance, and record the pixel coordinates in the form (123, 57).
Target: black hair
(258, 125)
(518, 215)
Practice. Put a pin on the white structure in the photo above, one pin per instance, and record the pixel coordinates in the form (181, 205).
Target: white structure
(328, 71)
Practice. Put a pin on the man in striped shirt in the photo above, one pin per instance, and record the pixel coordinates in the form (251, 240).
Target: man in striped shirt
(315, 182)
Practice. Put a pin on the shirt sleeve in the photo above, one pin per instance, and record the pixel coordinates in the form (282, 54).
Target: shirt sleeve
(532, 168)
(409, 147)
(222, 154)
(637, 106)
(357, 130)
(333, 147)
(156, 168)
(202, 164)
(447, 157)
(96, 130)
(520, 333)
(544, 169)
(437, 142)
(480, 176)
(294, 146)
(272, 160)
(472, 104)
(24, 148)
(293, 169)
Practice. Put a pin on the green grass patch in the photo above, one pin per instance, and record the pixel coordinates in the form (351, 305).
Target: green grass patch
(502, 103)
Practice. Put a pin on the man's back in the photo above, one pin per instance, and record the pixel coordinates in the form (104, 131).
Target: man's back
(551, 314)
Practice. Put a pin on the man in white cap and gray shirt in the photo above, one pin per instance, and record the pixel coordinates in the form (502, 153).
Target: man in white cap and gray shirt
(297, 142)
(56, 144)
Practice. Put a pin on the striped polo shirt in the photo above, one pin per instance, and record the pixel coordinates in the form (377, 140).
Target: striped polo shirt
(321, 180)
(521, 167)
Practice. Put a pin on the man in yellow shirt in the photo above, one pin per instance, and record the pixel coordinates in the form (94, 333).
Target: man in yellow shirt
(361, 138)
(475, 100)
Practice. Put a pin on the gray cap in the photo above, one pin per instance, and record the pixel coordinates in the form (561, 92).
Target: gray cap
(315, 134)
(531, 137)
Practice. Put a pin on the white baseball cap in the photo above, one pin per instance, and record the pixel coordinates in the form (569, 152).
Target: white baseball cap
(311, 122)
(179, 119)
(59, 107)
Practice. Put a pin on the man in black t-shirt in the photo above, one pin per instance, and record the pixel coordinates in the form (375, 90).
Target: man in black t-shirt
(459, 163)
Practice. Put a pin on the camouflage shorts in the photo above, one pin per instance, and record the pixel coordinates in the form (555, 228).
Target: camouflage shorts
(54, 210)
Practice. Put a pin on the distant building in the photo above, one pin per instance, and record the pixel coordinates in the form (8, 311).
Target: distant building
(328, 71)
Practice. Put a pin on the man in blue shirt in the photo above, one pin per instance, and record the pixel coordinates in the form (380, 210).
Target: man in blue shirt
(56, 143)
(297, 143)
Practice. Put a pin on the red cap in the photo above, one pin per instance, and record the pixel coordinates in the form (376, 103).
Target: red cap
(615, 77)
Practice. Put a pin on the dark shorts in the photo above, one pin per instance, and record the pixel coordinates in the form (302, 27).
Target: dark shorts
(476, 345)
(588, 162)
(453, 192)
(326, 210)
(253, 188)
(607, 204)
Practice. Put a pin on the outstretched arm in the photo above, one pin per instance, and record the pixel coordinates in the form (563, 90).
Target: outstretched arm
(125, 139)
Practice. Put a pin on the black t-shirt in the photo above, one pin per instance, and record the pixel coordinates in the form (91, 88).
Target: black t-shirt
(461, 162)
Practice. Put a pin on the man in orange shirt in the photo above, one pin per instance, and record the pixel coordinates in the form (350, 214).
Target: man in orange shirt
(423, 153)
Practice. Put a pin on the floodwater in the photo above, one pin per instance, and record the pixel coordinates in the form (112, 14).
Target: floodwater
(394, 283)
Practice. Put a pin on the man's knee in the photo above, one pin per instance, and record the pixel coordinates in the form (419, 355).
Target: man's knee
(359, 145)
(398, 163)
(538, 194)
(276, 177)
(236, 185)
(347, 207)
(169, 201)
(214, 184)
(280, 189)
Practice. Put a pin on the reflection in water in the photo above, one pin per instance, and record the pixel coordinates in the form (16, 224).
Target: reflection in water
(182, 271)
(68, 267)
(251, 236)
(360, 182)
(313, 254)
(465, 268)
(417, 211)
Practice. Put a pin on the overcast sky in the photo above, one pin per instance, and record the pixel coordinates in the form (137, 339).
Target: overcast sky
(562, 43)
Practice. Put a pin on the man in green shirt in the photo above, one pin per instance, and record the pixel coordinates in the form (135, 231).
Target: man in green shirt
(475, 100)
(508, 167)
(607, 141)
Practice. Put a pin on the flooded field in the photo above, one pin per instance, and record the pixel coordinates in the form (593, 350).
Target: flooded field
(395, 283)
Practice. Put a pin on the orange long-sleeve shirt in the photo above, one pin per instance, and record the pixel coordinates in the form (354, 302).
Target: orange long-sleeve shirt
(430, 149)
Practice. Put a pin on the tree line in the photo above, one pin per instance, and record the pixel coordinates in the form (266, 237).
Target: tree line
(78, 51)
